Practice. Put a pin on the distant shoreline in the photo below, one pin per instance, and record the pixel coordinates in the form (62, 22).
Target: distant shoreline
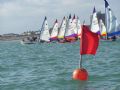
(20, 37)
(12, 38)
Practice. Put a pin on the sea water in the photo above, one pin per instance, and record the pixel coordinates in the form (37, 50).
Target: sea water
(49, 66)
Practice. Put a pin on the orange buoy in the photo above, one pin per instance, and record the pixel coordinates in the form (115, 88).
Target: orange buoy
(80, 74)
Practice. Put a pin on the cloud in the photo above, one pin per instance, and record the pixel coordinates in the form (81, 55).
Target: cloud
(31, 7)
(8, 9)
(17, 15)
(28, 7)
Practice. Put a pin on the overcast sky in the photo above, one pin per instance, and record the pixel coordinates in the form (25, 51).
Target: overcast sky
(17, 16)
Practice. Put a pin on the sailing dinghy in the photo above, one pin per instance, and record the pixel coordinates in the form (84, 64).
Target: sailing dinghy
(102, 28)
(74, 26)
(94, 24)
(54, 33)
(70, 34)
(61, 32)
(44, 33)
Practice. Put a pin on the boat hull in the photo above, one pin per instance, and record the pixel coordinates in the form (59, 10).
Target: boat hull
(70, 39)
(28, 42)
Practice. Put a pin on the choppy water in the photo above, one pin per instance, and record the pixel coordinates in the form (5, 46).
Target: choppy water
(50, 67)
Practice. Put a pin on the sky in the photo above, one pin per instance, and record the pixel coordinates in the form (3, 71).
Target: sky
(18, 16)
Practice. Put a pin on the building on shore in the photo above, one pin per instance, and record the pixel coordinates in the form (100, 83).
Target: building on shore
(29, 33)
(10, 34)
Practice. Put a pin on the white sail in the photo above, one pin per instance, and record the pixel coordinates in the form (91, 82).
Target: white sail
(102, 28)
(44, 34)
(54, 32)
(74, 25)
(111, 21)
(94, 24)
(62, 28)
(79, 28)
(69, 29)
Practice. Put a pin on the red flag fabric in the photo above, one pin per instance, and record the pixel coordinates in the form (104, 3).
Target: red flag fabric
(89, 41)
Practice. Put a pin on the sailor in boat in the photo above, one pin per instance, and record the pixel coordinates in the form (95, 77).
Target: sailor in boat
(29, 40)
(34, 38)
(61, 40)
(71, 39)
(113, 38)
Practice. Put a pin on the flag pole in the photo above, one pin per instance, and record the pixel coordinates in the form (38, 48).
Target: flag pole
(80, 62)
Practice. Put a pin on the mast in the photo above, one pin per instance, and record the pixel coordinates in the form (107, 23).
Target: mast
(67, 23)
(41, 29)
(106, 18)
(40, 32)
(77, 24)
(106, 24)
(59, 29)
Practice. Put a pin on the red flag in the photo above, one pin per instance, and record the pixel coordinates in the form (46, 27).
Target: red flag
(89, 41)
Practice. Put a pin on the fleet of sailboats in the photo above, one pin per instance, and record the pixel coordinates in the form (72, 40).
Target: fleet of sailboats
(70, 28)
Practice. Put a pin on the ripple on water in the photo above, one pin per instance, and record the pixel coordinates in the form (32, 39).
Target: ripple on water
(50, 67)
